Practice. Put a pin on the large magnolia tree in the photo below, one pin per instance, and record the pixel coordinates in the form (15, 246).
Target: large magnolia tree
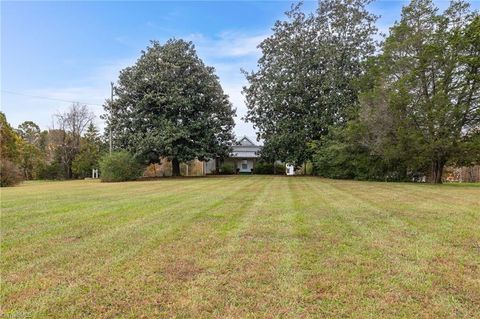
(307, 76)
(170, 104)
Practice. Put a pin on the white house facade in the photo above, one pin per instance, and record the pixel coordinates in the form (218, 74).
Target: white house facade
(243, 157)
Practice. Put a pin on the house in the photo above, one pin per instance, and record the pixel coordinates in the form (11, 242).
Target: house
(243, 157)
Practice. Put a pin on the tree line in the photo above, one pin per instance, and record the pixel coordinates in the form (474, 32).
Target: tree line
(68, 151)
(327, 91)
(168, 105)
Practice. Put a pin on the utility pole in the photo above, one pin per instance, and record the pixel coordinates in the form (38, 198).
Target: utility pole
(110, 126)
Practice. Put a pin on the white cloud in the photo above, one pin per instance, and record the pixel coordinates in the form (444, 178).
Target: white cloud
(229, 52)
(227, 44)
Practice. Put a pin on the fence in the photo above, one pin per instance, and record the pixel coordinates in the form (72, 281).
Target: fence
(192, 168)
(469, 174)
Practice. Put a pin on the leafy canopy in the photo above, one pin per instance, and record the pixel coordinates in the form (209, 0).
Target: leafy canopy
(427, 91)
(307, 76)
(170, 104)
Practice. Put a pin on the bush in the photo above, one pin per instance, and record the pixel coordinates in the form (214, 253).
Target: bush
(263, 168)
(119, 167)
(83, 164)
(227, 168)
(279, 169)
(51, 171)
(10, 174)
(309, 168)
(269, 168)
(341, 159)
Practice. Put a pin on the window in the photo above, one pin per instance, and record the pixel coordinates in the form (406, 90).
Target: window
(244, 166)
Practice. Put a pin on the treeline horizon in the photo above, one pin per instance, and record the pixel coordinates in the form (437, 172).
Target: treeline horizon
(326, 91)
(69, 151)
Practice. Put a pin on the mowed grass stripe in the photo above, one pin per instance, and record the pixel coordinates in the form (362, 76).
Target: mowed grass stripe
(153, 263)
(336, 257)
(447, 194)
(453, 218)
(101, 208)
(115, 242)
(80, 224)
(408, 250)
(242, 247)
(95, 199)
(252, 275)
(380, 258)
(436, 217)
(181, 264)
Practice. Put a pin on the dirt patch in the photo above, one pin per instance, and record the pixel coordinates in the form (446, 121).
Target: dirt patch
(181, 270)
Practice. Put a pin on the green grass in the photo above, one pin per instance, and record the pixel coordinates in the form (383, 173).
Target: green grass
(240, 247)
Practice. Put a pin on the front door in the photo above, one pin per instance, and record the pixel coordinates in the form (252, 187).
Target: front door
(245, 165)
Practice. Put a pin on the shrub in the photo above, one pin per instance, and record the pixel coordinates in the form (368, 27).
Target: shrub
(119, 167)
(279, 169)
(263, 168)
(269, 168)
(227, 168)
(309, 168)
(83, 164)
(10, 174)
(50, 171)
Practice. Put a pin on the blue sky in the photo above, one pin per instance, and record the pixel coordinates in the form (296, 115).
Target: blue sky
(70, 51)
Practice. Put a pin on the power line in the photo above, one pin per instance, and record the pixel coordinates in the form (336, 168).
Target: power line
(46, 98)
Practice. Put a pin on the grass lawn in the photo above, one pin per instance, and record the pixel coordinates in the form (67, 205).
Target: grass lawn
(240, 247)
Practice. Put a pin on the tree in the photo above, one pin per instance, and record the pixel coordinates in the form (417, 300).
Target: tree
(169, 104)
(307, 77)
(30, 132)
(31, 160)
(71, 125)
(430, 81)
(10, 142)
(32, 149)
(89, 155)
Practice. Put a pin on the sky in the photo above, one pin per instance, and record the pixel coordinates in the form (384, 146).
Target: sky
(54, 53)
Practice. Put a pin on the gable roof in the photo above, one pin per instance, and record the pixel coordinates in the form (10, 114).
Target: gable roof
(245, 141)
(245, 148)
